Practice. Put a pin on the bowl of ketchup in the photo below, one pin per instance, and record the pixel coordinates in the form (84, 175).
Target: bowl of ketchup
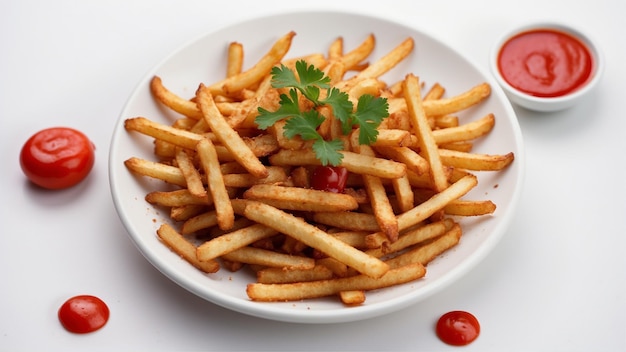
(546, 66)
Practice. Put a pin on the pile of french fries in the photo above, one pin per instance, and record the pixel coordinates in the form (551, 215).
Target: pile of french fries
(243, 199)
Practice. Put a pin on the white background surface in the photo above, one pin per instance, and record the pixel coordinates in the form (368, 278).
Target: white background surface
(556, 281)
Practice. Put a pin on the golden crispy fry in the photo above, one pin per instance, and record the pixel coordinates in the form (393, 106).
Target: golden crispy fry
(352, 221)
(407, 156)
(470, 207)
(303, 199)
(231, 241)
(166, 97)
(465, 132)
(227, 136)
(221, 199)
(392, 138)
(352, 298)
(445, 106)
(435, 92)
(281, 276)
(191, 174)
(429, 251)
(475, 162)
(163, 132)
(276, 175)
(177, 243)
(322, 288)
(354, 57)
(199, 222)
(412, 237)
(353, 162)
(177, 198)
(167, 173)
(422, 129)
(314, 237)
(259, 256)
(236, 83)
(186, 212)
(404, 193)
(377, 194)
(387, 62)
(427, 208)
(235, 59)
(335, 49)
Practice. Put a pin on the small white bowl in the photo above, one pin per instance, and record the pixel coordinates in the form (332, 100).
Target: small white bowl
(546, 104)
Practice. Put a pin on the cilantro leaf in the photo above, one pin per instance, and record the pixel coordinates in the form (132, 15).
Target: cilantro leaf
(328, 151)
(311, 80)
(370, 112)
(305, 125)
(342, 108)
(283, 77)
(288, 107)
(308, 81)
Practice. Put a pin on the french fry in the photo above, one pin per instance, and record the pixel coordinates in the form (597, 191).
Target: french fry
(358, 54)
(475, 162)
(470, 207)
(412, 237)
(387, 62)
(465, 132)
(166, 97)
(435, 92)
(245, 79)
(352, 298)
(166, 173)
(445, 106)
(424, 210)
(404, 193)
(177, 243)
(179, 197)
(235, 59)
(302, 199)
(231, 241)
(163, 132)
(264, 257)
(426, 253)
(199, 222)
(377, 194)
(322, 288)
(229, 137)
(352, 221)
(407, 156)
(422, 129)
(280, 275)
(191, 174)
(276, 175)
(353, 162)
(316, 238)
(221, 199)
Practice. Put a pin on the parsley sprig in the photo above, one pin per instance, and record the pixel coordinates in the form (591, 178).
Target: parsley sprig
(368, 115)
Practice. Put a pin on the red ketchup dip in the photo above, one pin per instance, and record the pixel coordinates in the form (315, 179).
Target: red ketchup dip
(545, 63)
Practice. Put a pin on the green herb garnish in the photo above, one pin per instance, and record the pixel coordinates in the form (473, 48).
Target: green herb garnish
(369, 113)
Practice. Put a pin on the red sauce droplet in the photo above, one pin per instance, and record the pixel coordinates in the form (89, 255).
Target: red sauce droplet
(329, 178)
(458, 328)
(83, 314)
(545, 63)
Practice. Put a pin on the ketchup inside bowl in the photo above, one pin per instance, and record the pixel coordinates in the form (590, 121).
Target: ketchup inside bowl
(545, 63)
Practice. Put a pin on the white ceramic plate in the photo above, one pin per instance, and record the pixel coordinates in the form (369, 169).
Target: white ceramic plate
(203, 60)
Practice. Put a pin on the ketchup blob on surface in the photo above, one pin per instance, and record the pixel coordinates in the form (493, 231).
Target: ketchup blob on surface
(457, 328)
(545, 63)
(83, 314)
